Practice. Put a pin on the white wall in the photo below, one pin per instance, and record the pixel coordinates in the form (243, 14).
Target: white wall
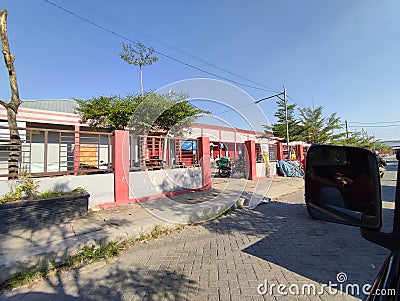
(241, 138)
(227, 136)
(272, 167)
(212, 134)
(261, 170)
(100, 187)
(156, 182)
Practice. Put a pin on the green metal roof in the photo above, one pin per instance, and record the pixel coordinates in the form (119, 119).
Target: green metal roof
(56, 105)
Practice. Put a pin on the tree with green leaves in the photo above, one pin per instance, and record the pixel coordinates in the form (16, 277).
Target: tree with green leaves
(319, 129)
(356, 138)
(279, 128)
(110, 112)
(165, 113)
(139, 55)
(362, 139)
(151, 113)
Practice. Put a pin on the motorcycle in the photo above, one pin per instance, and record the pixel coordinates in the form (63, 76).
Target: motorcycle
(224, 167)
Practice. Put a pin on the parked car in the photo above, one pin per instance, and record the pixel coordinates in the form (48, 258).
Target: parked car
(342, 185)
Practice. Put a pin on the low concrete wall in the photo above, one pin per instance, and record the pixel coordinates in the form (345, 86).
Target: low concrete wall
(272, 167)
(100, 187)
(156, 182)
(142, 183)
(262, 172)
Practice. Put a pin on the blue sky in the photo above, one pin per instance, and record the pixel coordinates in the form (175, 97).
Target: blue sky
(342, 55)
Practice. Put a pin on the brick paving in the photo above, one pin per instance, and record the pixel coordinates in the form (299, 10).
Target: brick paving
(227, 259)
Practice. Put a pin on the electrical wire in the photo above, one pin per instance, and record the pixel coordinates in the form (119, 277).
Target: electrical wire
(118, 22)
(378, 122)
(157, 52)
(95, 12)
(296, 102)
(374, 126)
(393, 130)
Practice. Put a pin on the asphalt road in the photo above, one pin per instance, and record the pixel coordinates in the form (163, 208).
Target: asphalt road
(388, 186)
(389, 181)
(243, 256)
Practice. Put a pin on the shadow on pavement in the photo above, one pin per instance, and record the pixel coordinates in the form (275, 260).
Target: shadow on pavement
(120, 284)
(42, 247)
(314, 250)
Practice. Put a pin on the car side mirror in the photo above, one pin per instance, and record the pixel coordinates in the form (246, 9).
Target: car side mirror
(342, 185)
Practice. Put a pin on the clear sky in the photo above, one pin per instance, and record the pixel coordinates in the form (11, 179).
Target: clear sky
(342, 55)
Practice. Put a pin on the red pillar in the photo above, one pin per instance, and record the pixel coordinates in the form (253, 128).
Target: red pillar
(121, 166)
(250, 158)
(203, 149)
(300, 152)
(77, 151)
(279, 151)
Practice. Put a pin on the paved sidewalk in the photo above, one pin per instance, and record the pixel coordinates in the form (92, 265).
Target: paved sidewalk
(274, 252)
(20, 250)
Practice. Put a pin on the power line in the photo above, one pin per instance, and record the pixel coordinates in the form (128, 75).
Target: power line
(378, 122)
(393, 130)
(93, 11)
(158, 52)
(233, 109)
(375, 126)
(118, 22)
(296, 102)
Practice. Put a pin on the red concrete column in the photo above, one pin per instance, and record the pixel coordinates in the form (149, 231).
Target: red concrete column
(300, 152)
(121, 166)
(279, 151)
(250, 158)
(203, 149)
(77, 151)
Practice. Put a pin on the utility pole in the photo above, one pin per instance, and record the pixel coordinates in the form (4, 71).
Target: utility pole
(347, 130)
(286, 112)
(286, 118)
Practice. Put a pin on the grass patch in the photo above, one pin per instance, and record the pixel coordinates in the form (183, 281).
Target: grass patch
(88, 255)
(49, 194)
(92, 254)
(24, 278)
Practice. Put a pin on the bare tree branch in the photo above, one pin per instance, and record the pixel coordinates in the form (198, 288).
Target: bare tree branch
(4, 103)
